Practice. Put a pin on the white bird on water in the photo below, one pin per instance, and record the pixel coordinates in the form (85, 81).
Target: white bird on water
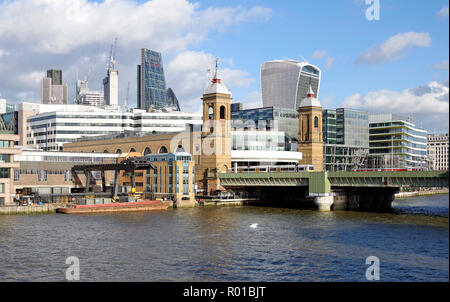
(254, 225)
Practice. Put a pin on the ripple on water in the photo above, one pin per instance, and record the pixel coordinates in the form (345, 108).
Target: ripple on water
(217, 244)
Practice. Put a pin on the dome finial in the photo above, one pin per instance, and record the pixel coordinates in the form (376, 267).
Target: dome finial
(216, 78)
(310, 93)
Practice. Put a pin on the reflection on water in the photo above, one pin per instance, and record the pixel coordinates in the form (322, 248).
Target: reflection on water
(218, 244)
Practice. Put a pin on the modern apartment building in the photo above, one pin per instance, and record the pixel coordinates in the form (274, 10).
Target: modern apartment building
(7, 166)
(396, 143)
(437, 150)
(285, 83)
(151, 83)
(346, 138)
(174, 176)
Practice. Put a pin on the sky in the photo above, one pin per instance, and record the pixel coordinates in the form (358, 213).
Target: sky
(396, 60)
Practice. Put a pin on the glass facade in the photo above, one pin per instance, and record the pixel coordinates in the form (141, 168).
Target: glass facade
(346, 138)
(269, 119)
(285, 83)
(151, 81)
(55, 75)
(396, 143)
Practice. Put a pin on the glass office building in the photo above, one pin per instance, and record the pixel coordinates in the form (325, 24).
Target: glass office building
(269, 119)
(285, 83)
(346, 138)
(151, 81)
(396, 143)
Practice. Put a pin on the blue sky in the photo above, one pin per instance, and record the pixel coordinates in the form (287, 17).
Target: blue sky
(396, 64)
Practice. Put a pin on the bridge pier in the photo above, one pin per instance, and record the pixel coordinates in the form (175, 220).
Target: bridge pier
(324, 203)
(364, 199)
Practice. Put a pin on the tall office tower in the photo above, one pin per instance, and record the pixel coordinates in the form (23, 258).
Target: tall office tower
(55, 75)
(151, 82)
(172, 100)
(52, 93)
(285, 83)
(111, 87)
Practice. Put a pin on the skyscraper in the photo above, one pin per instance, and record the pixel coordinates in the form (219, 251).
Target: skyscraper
(53, 91)
(285, 83)
(55, 75)
(111, 87)
(151, 81)
(172, 100)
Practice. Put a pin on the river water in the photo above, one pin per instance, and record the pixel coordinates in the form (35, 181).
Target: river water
(218, 244)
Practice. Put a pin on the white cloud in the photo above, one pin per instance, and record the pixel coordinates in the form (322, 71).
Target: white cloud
(319, 54)
(327, 101)
(76, 36)
(61, 26)
(442, 65)
(443, 12)
(30, 80)
(428, 104)
(3, 53)
(186, 75)
(395, 47)
(329, 62)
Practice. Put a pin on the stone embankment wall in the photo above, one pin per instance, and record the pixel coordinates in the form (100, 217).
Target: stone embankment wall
(420, 193)
(34, 209)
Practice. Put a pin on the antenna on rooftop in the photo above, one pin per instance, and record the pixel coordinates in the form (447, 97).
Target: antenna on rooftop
(304, 59)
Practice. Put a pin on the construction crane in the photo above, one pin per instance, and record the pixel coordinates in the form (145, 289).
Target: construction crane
(112, 55)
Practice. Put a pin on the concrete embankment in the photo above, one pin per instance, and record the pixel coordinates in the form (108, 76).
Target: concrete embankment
(420, 193)
(34, 209)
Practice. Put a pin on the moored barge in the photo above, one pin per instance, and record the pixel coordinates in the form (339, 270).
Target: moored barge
(147, 205)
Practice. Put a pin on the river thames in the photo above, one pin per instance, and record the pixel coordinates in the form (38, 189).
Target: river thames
(218, 244)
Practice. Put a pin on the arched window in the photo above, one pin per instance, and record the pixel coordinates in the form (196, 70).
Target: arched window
(222, 112)
(106, 151)
(211, 130)
(180, 148)
(119, 151)
(132, 150)
(210, 113)
(147, 151)
(316, 122)
(163, 149)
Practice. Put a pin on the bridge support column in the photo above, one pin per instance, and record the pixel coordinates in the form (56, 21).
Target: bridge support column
(324, 202)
